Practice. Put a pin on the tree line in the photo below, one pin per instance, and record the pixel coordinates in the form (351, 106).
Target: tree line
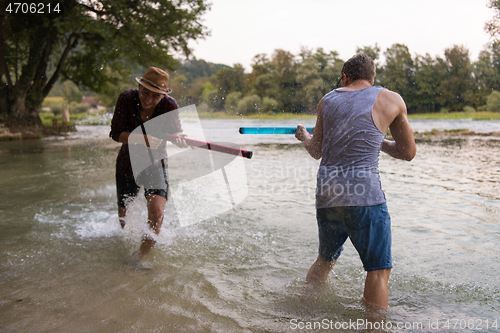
(99, 45)
(284, 82)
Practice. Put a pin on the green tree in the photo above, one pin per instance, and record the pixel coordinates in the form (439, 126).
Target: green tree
(87, 42)
(196, 90)
(189, 78)
(230, 79)
(372, 51)
(493, 26)
(428, 74)
(493, 101)
(485, 76)
(249, 104)
(231, 102)
(266, 85)
(117, 82)
(261, 65)
(193, 68)
(457, 87)
(263, 80)
(285, 73)
(180, 88)
(214, 100)
(399, 74)
(71, 93)
(269, 104)
(317, 74)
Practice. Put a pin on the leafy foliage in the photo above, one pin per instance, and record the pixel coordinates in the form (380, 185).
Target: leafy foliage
(493, 26)
(92, 43)
(493, 101)
(296, 83)
(249, 104)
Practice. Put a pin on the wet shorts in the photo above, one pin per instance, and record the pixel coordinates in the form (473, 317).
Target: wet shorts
(368, 227)
(127, 189)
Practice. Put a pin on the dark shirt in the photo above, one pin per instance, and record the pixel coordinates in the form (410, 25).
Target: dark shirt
(127, 117)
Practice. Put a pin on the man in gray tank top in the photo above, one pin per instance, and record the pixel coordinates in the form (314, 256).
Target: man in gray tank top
(350, 131)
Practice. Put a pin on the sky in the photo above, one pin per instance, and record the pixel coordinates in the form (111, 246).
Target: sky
(241, 29)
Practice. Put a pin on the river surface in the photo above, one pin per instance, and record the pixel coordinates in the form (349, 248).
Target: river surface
(65, 262)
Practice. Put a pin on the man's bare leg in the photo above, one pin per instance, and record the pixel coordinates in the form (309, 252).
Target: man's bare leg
(122, 211)
(319, 270)
(156, 206)
(377, 287)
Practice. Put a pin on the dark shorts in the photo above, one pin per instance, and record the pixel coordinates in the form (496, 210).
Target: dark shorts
(368, 227)
(127, 190)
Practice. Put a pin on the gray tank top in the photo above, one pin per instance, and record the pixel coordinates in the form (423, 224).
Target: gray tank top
(348, 173)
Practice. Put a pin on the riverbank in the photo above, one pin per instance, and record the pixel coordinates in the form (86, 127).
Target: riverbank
(7, 135)
(18, 133)
(487, 115)
(281, 115)
(49, 129)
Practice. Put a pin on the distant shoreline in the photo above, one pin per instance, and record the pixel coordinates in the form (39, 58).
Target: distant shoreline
(484, 115)
(47, 130)
(438, 116)
(224, 115)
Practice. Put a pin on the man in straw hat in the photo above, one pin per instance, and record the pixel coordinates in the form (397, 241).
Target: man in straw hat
(133, 108)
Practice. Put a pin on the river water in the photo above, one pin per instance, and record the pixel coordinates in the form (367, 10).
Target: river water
(65, 262)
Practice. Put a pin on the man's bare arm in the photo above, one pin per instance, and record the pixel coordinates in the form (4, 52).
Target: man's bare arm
(313, 144)
(403, 147)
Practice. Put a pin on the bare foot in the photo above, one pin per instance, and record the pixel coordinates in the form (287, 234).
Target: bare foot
(137, 261)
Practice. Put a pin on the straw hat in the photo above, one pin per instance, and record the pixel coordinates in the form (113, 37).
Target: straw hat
(155, 80)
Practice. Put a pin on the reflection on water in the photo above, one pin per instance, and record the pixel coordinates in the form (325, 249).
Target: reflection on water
(64, 259)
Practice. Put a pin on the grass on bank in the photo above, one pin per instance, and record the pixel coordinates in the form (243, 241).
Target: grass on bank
(47, 116)
(483, 115)
(49, 101)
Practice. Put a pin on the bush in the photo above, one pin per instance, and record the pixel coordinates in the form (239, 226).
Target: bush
(78, 107)
(493, 101)
(249, 104)
(469, 108)
(231, 103)
(56, 109)
(214, 100)
(203, 107)
(208, 87)
(269, 104)
(71, 92)
(49, 101)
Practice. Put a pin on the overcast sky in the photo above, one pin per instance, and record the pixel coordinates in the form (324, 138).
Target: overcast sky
(241, 29)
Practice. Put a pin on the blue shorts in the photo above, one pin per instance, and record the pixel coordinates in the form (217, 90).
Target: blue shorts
(368, 227)
(127, 189)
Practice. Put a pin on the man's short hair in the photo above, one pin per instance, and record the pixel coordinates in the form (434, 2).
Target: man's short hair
(359, 67)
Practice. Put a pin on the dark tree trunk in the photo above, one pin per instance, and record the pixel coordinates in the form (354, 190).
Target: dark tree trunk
(23, 100)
